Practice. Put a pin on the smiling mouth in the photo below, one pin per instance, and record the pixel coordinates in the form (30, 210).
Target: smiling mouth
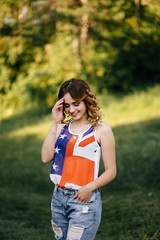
(74, 115)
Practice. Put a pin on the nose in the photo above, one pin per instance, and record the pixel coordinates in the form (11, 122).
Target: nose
(71, 109)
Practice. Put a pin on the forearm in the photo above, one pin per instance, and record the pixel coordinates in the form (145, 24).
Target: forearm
(47, 151)
(107, 142)
(105, 178)
(84, 193)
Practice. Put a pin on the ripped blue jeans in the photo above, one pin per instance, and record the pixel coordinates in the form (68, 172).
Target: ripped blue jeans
(72, 219)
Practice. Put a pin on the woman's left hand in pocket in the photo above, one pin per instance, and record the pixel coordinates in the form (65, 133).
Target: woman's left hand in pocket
(83, 194)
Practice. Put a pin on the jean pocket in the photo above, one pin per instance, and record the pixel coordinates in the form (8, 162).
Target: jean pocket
(86, 214)
(92, 199)
(94, 196)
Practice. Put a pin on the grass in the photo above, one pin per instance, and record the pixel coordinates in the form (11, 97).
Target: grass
(131, 203)
(140, 106)
(131, 207)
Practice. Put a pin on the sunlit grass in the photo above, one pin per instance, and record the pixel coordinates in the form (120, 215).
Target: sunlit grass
(38, 129)
(130, 203)
(116, 110)
(131, 108)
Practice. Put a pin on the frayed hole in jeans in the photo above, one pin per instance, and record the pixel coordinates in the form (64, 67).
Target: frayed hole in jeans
(75, 233)
(57, 230)
(85, 209)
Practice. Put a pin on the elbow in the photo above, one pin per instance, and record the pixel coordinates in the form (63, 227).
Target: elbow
(45, 159)
(113, 174)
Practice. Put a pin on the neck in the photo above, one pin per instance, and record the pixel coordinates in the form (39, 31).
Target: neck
(79, 126)
(80, 122)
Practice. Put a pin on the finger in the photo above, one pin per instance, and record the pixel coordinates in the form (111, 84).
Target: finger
(76, 195)
(60, 106)
(60, 101)
(81, 200)
(57, 105)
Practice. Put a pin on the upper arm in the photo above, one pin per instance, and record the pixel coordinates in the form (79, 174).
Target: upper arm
(47, 151)
(107, 142)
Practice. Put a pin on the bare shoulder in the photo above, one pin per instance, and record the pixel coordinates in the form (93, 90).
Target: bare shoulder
(104, 133)
(103, 127)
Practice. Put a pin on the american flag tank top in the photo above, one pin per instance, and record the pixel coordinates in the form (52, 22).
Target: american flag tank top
(76, 158)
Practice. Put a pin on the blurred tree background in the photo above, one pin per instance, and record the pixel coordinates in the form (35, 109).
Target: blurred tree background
(114, 45)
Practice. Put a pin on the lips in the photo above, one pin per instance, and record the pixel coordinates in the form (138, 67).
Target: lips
(74, 115)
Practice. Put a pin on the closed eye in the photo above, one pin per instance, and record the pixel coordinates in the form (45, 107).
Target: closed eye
(66, 105)
(76, 104)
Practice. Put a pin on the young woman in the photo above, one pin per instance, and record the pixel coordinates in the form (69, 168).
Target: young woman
(75, 141)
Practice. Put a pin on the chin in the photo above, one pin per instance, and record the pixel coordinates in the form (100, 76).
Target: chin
(76, 118)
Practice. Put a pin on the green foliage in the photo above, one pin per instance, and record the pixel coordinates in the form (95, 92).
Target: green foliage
(113, 45)
(136, 65)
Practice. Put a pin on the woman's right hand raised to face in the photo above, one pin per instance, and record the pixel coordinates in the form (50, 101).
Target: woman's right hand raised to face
(57, 111)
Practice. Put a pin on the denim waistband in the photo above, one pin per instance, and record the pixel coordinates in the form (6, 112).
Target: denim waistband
(69, 190)
(65, 190)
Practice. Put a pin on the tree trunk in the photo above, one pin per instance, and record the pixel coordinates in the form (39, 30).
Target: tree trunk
(76, 50)
(84, 28)
(138, 6)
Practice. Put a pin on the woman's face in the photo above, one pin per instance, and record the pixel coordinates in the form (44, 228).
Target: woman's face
(76, 109)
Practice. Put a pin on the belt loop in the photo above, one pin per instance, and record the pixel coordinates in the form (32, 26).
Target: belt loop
(55, 189)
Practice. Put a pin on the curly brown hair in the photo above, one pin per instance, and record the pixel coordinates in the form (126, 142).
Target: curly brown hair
(80, 91)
